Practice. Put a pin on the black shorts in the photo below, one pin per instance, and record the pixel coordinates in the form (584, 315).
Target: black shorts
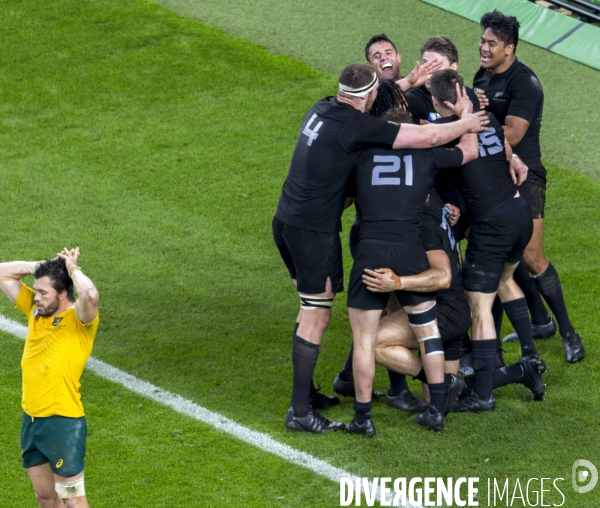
(401, 258)
(492, 243)
(533, 191)
(354, 238)
(454, 320)
(310, 257)
(55, 439)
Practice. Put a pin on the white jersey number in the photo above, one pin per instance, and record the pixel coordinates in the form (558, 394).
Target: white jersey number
(488, 143)
(311, 133)
(392, 165)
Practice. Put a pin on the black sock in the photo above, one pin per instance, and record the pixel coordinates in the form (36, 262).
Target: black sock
(397, 383)
(304, 359)
(436, 396)
(498, 313)
(537, 309)
(516, 310)
(421, 376)
(346, 373)
(484, 352)
(549, 285)
(313, 389)
(362, 410)
(507, 375)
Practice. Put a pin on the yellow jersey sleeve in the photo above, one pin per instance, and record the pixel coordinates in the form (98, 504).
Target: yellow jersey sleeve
(88, 330)
(25, 299)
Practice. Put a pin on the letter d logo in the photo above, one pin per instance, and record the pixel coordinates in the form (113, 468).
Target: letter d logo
(582, 476)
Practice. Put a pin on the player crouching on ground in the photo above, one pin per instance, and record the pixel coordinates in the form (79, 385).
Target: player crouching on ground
(60, 336)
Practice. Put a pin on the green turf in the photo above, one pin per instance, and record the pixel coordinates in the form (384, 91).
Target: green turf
(141, 454)
(330, 35)
(159, 146)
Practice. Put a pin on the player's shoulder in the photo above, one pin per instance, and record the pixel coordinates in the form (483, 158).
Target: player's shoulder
(521, 74)
(418, 92)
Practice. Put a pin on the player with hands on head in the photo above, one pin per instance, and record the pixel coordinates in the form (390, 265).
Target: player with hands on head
(60, 335)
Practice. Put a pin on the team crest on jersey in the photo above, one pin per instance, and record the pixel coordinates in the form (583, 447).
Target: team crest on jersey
(56, 321)
(498, 94)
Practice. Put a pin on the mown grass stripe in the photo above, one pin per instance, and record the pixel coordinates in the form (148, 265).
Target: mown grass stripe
(193, 410)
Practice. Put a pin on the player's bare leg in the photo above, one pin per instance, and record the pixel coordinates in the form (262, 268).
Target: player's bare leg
(365, 324)
(43, 480)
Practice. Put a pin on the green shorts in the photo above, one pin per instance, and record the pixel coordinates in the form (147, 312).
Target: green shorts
(56, 439)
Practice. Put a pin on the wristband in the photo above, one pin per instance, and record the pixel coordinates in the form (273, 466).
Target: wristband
(71, 269)
(31, 266)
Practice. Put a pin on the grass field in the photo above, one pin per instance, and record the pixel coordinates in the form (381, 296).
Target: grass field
(159, 146)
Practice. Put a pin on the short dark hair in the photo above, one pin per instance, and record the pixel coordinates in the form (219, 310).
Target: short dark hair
(56, 271)
(441, 45)
(356, 76)
(389, 95)
(374, 40)
(443, 85)
(506, 28)
(397, 115)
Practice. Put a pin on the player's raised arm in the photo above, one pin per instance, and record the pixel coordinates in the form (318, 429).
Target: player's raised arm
(11, 274)
(86, 305)
(432, 135)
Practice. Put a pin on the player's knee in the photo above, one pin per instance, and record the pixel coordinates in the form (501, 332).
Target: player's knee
(309, 302)
(424, 324)
(535, 261)
(68, 490)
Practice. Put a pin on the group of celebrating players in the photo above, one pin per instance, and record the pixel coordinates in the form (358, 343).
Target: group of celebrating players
(427, 162)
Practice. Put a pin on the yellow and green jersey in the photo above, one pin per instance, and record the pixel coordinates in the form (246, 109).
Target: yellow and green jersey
(56, 350)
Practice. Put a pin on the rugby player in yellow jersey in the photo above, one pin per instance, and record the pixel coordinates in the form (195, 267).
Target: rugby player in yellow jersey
(60, 336)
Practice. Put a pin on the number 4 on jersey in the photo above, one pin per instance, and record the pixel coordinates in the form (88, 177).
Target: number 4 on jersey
(311, 133)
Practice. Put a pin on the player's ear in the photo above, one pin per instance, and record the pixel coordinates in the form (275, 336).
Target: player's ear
(399, 58)
(509, 49)
(454, 66)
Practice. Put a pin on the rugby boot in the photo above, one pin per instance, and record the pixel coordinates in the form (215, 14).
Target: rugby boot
(532, 377)
(451, 391)
(432, 419)
(319, 400)
(574, 350)
(473, 404)
(367, 428)
(346, 389)
(538, 332)
(406, 401)
(465, 365)
(311, 422)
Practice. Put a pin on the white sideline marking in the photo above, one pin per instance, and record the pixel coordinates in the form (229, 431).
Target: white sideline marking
(189, 408)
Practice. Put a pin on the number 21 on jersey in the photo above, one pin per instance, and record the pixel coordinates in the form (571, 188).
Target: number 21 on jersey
(392, 164)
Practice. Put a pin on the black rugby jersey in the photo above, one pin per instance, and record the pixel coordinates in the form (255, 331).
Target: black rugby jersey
(516, 92)
(437, 234)
(332, 136)
(392, 187)
(485, 183)
(420, 105)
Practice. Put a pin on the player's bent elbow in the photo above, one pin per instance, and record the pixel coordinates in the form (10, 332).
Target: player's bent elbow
(91, 296)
